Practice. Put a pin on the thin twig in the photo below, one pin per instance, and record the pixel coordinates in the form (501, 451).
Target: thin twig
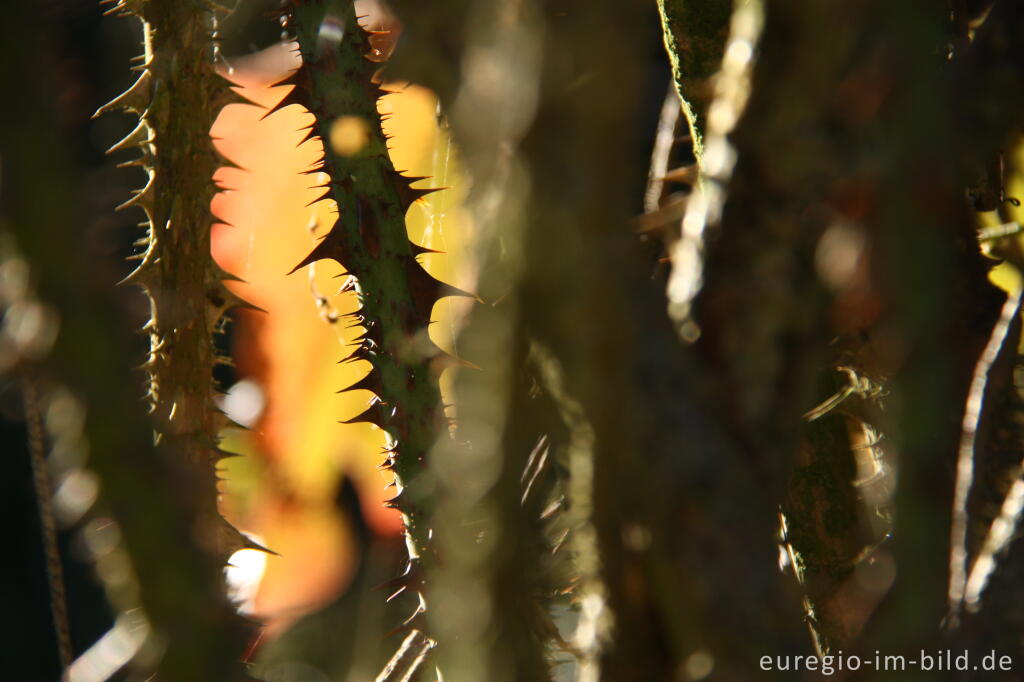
(44, 498)
(999, 231)
(408, 659)
(663, 141)
(958, 556)
(1002, 530)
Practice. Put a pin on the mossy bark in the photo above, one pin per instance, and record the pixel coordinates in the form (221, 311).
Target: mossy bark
(695, 32)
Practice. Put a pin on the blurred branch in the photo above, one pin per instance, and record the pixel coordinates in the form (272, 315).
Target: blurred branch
(489, 594)
(942, 309)
(757, 284)
(433, 44)
(608, 339)
(149, 491)
(48, 521)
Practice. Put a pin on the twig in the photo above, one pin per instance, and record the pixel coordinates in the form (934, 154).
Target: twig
(958, 559)
(44, 498)
(1002, 530)
(999, 231)
(663, 142)
(408, 659)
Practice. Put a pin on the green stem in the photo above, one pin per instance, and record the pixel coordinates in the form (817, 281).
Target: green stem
(337, 84)
(177, 96)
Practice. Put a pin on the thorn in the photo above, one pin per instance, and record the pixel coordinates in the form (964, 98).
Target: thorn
(232, 301)
(136, 138)
(415, 614)
(407, 194)
(232, 424)
(396, 502)
(143, 161)
(222, 275)
(293, 97)
(141, 276)
(300, 78)
(426, 290)
(136, 98)
(237, 540)
(358, 317)
(444, 359)
(230, 95)
(418, 250)
(369, 415)
(412, 576)
(329, 247)
(371, 382)
(121, 7)
(226, 161)
(349, 284)
(310, 134)
(401, 627)
(360, 353)
(224, 454)
(142, 197)
(325, 195)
